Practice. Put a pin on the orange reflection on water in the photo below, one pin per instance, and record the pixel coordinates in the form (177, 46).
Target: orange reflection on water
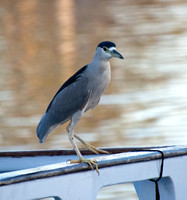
(44, 42)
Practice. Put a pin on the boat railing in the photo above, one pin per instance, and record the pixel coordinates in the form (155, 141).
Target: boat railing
(156, 173)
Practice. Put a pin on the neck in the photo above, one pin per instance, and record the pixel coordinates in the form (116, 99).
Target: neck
(98, 62)
(99, 58)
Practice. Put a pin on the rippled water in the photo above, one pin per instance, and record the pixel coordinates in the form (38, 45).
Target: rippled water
(42, 43)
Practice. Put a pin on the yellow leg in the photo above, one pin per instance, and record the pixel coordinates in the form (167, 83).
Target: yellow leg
(91, 163)
(91, 147)
(71, 135)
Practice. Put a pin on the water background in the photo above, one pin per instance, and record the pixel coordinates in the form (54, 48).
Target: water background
(42, 43)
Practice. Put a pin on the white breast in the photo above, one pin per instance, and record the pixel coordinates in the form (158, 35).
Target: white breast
(99, 79)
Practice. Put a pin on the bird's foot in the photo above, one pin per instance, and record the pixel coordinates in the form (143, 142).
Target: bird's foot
(91, 163)
(91, 147)
(94, 149)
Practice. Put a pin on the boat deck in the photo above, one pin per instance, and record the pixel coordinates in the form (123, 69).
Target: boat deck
(41, 174)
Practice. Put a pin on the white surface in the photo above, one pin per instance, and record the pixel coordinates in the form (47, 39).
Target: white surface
(85, 185)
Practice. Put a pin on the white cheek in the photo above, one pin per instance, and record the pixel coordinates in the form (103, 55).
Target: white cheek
(106, 54)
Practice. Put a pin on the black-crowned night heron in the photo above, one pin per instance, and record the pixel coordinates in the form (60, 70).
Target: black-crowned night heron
(77, 95)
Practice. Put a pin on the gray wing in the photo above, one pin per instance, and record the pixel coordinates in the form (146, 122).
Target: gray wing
(68, 101)
(70, 98)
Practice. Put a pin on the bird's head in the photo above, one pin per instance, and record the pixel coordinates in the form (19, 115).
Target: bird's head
(107, 50)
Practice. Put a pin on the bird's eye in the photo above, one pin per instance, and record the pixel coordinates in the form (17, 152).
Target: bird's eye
(104, 48)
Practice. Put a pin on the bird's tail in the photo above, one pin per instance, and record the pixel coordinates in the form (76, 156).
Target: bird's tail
(44, 128)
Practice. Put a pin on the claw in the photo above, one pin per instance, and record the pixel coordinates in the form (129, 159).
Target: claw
(91, 147)
(91, 163)
(95, 150)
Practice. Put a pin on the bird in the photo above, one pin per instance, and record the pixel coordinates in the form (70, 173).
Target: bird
(80, 93)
